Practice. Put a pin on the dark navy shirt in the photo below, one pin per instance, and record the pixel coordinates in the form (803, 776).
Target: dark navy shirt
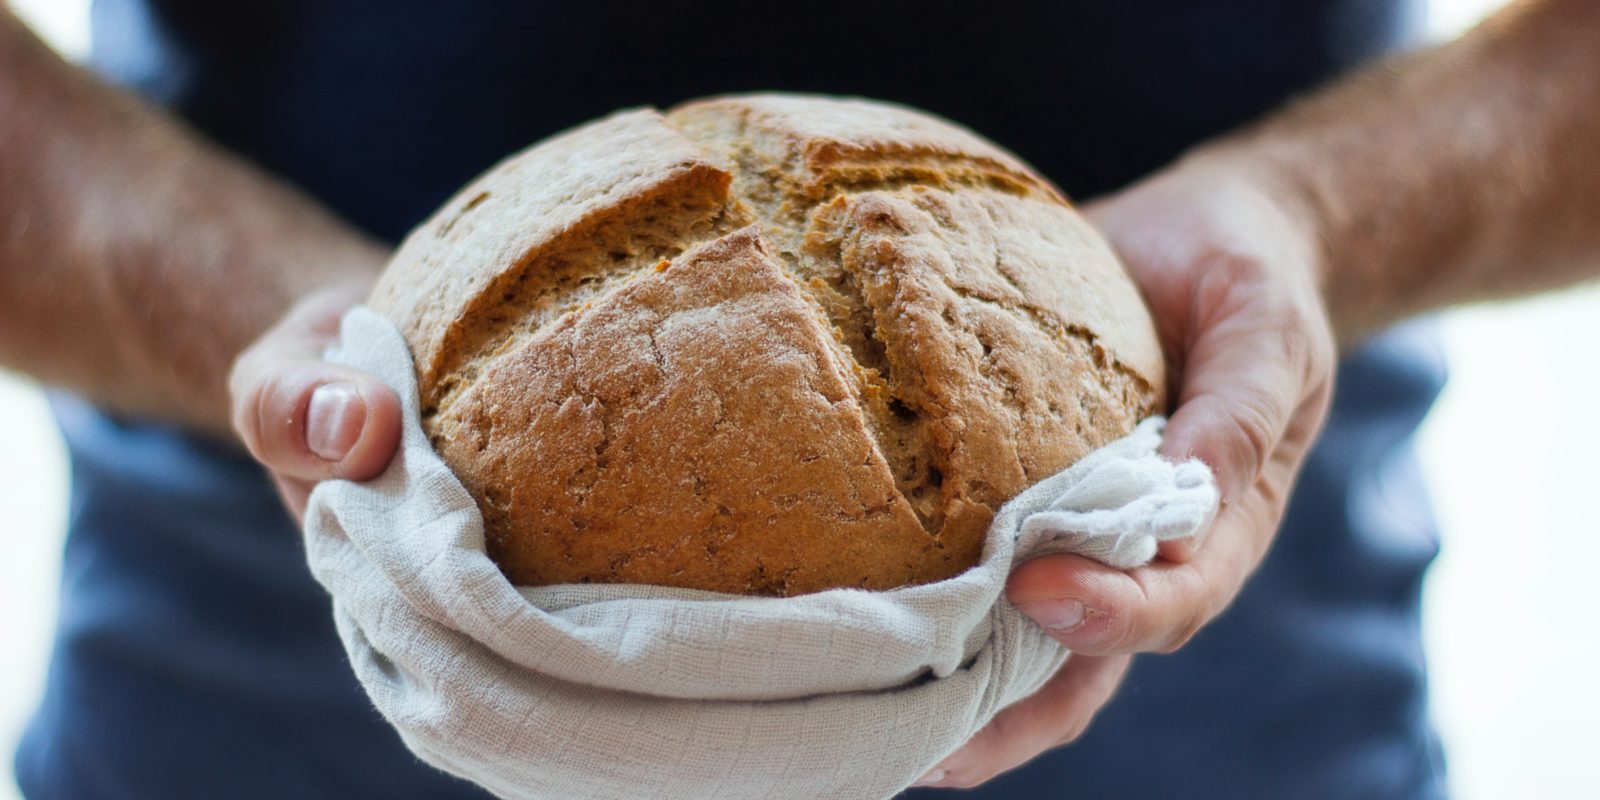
(195, 656)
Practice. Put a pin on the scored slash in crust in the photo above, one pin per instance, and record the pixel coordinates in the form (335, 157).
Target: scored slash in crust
(763, 345)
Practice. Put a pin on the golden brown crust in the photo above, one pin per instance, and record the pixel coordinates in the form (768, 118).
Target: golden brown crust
(763, 345)
(708, 437)
(581, 196)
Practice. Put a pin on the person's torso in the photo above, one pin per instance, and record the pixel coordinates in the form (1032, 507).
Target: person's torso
(383, 110)
(196, 658)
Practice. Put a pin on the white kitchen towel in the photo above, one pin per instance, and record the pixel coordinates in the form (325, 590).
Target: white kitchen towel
(615, 691)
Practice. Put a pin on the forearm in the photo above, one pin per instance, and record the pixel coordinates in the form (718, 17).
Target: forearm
(135, 260)
(1467, 172)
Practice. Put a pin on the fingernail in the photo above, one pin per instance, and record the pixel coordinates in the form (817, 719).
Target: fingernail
(933, 777)
(333, 420)
(1055, 615)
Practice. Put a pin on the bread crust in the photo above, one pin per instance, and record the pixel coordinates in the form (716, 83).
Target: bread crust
(763, 345)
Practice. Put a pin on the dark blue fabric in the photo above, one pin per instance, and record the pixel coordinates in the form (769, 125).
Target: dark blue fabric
(382, 111)
(195, 656)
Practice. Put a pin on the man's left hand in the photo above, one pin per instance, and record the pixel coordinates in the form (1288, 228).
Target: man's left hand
(1231, 273)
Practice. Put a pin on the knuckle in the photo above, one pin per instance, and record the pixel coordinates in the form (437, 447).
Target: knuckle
(999, 730)
(1309, 343)
(1183, 634)
(279, 422)
(1296, 315)
(1227, 283)
(274, 414)
(258, 386)
(246, 420)
(1251, 430)
(1204, 604)
(244, 394)
(1120, 631)
(1073, 728)
(1126, 634)
(1229, 269)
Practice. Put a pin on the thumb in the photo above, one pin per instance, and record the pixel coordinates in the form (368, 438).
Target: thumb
(307, 419)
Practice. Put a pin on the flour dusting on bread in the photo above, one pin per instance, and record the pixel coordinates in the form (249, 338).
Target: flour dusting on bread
(763, 345)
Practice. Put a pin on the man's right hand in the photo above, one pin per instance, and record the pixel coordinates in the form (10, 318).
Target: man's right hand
(306, 419)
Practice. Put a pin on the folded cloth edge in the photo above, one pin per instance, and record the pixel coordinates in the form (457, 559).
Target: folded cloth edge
(400, 585)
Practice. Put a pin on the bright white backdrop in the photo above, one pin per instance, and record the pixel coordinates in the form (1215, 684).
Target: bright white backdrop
(1509, 451)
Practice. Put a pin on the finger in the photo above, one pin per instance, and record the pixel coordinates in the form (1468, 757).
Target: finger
(1056, 714)
(308, 419)
(1254, 360)
(1092, 608)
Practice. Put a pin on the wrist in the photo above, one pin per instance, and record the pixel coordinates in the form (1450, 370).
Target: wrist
(1277, 184)
(1273, 184)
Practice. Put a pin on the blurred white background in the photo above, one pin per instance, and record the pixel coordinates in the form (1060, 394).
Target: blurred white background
(1510, 452)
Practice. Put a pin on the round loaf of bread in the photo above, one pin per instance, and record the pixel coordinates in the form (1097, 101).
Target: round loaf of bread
(763, 344)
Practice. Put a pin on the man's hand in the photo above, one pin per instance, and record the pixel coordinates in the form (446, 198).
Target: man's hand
(1465, 172)
(306, 419)
(1231, 273)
